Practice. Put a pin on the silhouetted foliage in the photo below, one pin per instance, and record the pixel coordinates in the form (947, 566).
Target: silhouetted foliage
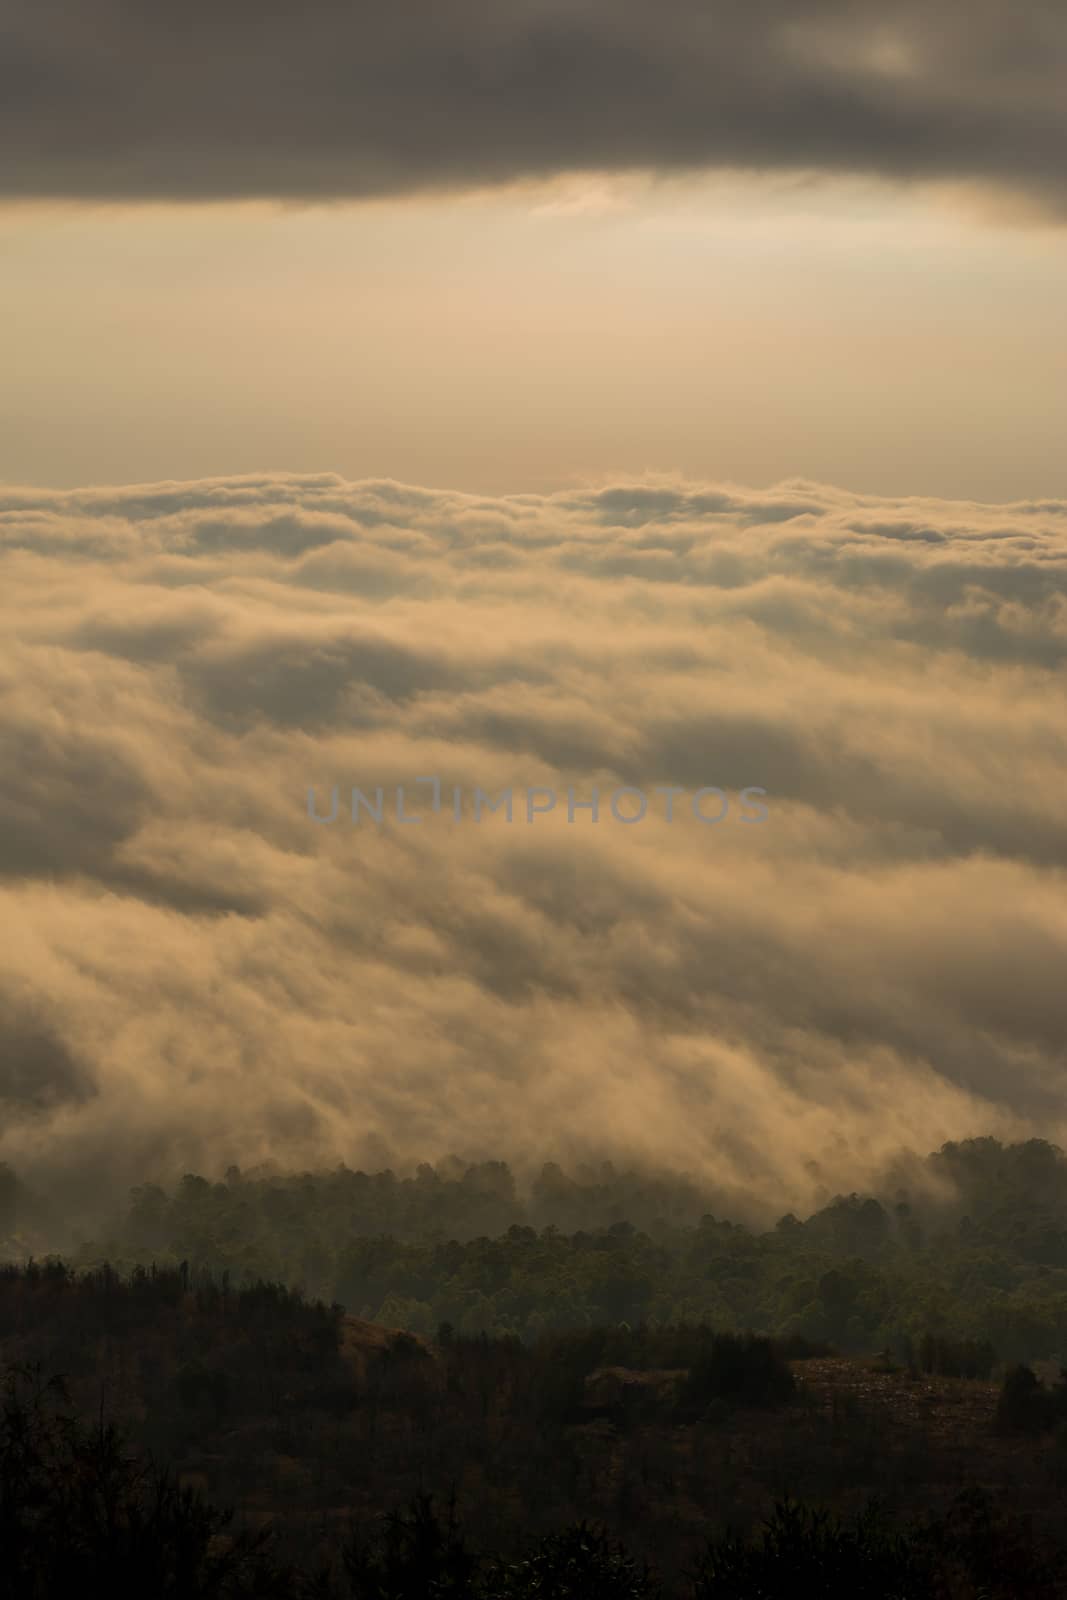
(416, 1553)
(956, 1358)
(79, 1515)
(801, 1551)
(1026, 1405)
(606, 1372)
(581, 1563)
(736, 1371)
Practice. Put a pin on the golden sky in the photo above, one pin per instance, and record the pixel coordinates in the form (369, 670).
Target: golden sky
(877, 338)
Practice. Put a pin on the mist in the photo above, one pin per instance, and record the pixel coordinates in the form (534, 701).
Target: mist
(197, 974)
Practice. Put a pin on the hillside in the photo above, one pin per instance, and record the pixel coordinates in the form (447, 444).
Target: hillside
(313, 1420)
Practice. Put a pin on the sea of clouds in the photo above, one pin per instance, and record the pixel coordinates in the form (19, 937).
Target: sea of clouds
(195, 973)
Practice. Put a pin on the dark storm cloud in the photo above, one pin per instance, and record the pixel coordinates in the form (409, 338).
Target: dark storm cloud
(330, 98)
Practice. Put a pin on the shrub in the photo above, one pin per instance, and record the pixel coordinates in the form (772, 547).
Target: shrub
(1026, 1405)
(581, 1563)
(416, 1553)
(801, 1551)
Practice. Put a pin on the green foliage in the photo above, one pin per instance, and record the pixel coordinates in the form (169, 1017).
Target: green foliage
(973, 1257)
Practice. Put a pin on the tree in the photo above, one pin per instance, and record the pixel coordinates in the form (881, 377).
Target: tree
(417, 1555)
(80, 1515)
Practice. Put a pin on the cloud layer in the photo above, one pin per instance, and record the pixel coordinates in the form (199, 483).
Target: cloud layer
(196, 973)
(329, 99)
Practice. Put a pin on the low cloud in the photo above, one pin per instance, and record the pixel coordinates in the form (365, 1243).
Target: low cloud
(196, 973)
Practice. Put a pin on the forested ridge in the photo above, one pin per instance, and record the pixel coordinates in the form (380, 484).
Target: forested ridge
(610, 1463)
(442, 1384)
(975, 1247)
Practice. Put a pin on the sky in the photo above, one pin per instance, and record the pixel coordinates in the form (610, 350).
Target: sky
(538, 396)
(501, 249)
(714, 328)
